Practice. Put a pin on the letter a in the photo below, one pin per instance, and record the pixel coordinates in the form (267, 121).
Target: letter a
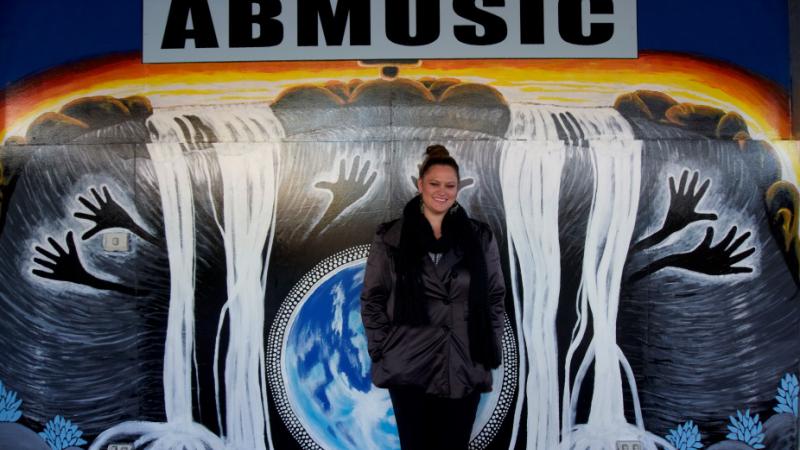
(176, 32)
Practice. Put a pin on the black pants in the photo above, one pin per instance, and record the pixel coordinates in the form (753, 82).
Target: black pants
(428, 422)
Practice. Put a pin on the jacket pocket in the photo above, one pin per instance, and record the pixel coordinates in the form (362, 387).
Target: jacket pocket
(390, 339)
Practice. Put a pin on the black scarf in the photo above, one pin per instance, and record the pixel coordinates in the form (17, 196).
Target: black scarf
(416, 241)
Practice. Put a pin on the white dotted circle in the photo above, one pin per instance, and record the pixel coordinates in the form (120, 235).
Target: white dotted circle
(275, 349)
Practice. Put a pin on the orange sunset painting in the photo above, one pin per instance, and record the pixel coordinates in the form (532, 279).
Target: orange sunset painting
(579, 83)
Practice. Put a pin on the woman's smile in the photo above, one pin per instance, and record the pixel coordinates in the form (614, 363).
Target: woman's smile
(438, 187)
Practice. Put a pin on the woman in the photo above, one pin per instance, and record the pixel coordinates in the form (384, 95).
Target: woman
(433, 310)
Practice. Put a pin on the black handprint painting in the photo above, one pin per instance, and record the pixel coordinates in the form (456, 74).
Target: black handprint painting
(346, 190)
(683, 202)
(65, 265)
(107, 213)
(717, 259)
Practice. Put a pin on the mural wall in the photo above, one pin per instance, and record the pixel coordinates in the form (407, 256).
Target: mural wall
(182, 249)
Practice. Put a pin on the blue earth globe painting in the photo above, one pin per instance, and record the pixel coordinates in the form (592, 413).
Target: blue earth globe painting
(326, 369)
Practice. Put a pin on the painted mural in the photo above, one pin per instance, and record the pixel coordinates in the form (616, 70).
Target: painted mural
(183, 246)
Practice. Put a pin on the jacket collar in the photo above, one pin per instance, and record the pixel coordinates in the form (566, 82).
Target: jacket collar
(391, 237)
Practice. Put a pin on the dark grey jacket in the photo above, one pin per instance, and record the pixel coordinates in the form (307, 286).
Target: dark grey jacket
(436, 356)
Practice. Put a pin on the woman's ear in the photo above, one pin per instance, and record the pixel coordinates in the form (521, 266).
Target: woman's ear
(782, 201)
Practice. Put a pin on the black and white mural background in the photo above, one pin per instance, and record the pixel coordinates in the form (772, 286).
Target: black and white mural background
(649, 245)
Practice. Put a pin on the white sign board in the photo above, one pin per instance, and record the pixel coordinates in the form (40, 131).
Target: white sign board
(289, 30)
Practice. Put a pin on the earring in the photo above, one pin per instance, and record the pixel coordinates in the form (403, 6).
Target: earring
(454, 208)
(421, 207)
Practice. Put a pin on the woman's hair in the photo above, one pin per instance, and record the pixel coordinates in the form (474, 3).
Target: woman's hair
(437, 154)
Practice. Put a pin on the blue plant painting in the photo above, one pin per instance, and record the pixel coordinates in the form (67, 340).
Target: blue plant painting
(685, 437)
(747, 429)
(9, 405)
(787, 395)
(60, 433)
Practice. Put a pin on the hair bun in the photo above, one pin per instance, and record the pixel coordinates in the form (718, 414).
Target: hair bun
(437, 151)
(437, 154)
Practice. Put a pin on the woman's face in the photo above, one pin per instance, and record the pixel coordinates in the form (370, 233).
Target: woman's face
(439, 187)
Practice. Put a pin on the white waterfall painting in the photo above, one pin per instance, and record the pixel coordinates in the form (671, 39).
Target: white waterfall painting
(247, 154)
(531, 170)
